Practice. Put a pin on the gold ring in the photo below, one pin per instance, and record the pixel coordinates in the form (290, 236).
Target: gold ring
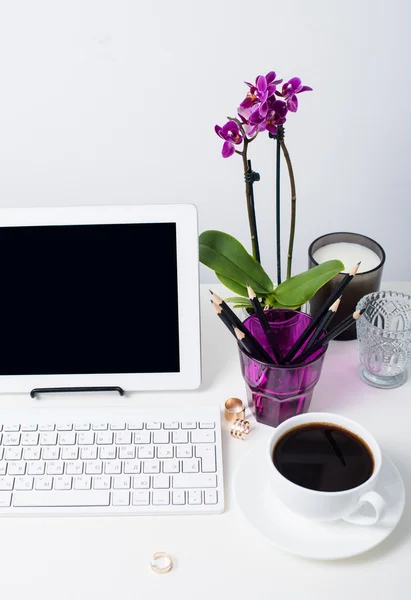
(164, 559)
(234, 409)
(240, 428)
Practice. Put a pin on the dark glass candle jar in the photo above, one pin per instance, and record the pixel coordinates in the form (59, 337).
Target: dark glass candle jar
(365, 282)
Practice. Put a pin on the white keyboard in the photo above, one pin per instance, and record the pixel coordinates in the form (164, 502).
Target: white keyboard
(139, 462)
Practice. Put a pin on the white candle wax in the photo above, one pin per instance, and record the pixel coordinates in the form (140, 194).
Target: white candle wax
(349, 254)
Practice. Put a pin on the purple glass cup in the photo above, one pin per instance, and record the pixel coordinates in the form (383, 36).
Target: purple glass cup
(276, 393)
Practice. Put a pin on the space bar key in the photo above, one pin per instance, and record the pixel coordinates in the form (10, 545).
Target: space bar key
(55, 498)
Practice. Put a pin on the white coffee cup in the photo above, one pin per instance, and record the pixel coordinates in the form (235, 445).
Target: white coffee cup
(328, 506)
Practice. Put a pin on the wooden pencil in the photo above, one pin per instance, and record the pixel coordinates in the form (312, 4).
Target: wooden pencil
(347, 322)
(320, 313)
(247, 342)
(268, 332)
(236, 321)
(323, 324)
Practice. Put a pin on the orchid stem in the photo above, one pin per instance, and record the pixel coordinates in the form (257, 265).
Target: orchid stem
(249, 193)
(293, 207)
(279, 138)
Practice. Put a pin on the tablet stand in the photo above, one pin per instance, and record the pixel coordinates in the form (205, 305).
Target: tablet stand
(114, 388)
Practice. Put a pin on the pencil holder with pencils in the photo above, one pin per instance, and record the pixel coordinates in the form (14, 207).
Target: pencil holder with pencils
(277, 392)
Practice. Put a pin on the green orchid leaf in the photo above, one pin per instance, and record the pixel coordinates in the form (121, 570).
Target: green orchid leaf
(239, 301)
(229, 259)
(232, 285)
(297, 290)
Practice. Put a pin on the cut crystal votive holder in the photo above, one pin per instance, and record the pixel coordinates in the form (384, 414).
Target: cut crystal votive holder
(276, 393)
(384, 339)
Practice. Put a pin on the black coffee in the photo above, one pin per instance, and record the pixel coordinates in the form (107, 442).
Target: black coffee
(323, 457)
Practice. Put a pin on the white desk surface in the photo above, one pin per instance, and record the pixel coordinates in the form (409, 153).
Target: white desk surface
(218, 556)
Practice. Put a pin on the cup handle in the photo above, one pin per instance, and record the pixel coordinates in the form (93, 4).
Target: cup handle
(376, 501)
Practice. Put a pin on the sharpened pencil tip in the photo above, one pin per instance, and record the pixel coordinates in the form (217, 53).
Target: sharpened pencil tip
(355, 269)
(239, 334)
(251, 292)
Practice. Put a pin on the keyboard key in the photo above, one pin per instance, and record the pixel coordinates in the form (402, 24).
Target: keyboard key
(12, 428)
(43, 483)
(102, 482)
(5, 499)
(3, 467)
(104, 437)
(30, 439)
(16, 468)
(161, 481)
(13, 453)
(117, 426)
(127, 452)
(94, 467)
(131, 467)
(48, 438)
(141, 498)
(65, 427)
(11, 439)
(85, 438)
(24, 483)
(184, 451)
(6, 483)
(88, 452)
(194, 497)
(161, 437)
(55, 467)
(141, 482)
(210, 497)
(165, 451)
(67, 438)
(207, 425)
(151, 466)
(82, 482)
(121, 498)
(161, 497)
(113, 467)
(180, 437)
(171, 466)
(82, 426)
(121, 482)
(194, 480)
(202, 436)
(32, 453)
(142, 437)
(135, 425)
(123, 437)
(46, 427)
(51, 453)
(69, 453)
(208, 459)
(74, 467)
(37, 467)
(189, 425)
(107, 452)
(100, 426)
(190, 466)
(171, 425)
(66, 498)
(64, 482)
(28, 427)
(145, 451)
(179, 497)
(153, 425)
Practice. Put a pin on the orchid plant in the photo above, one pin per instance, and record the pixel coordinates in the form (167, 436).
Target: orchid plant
(264, 109)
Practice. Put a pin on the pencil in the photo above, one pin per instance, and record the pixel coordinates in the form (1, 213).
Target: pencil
(320, 313)
(230, 313)
(269, 334)
(323, 324)
(253, 347)
(347, 322)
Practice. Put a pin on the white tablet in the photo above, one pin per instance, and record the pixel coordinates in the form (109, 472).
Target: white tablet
(99, 296)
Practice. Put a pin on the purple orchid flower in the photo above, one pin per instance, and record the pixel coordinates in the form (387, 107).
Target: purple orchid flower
(276, 115)
(264, 88)
(231, 133)
(290, 89)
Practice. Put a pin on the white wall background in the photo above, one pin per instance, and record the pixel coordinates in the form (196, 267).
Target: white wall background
(115, 102)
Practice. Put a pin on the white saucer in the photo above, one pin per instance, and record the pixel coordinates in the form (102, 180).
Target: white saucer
(322, 541)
